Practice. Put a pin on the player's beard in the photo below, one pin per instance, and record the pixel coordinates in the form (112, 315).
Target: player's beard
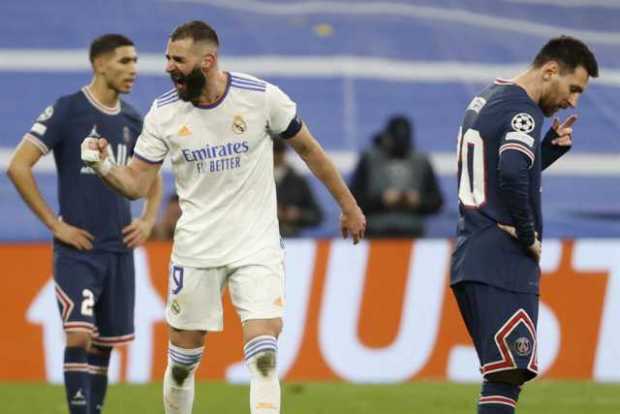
(194, 83)
(549, 103)
(548, 108)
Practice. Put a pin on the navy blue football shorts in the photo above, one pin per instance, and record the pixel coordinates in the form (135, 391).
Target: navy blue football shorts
(502, 325)
(96, 294)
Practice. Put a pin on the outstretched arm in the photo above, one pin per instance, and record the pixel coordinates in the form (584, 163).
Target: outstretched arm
(352, 220)
(132, 181)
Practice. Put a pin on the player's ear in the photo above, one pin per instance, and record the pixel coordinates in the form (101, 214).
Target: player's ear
(208, 61)
(99, 63)
(550, 69)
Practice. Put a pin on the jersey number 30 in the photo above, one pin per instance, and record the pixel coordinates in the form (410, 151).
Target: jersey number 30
(471, 159)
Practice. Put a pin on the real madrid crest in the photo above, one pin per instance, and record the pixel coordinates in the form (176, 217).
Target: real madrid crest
(238, 125)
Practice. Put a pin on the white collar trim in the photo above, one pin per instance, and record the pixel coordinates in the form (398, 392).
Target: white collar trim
(98, 105)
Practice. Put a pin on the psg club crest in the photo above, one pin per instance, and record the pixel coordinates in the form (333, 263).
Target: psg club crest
(522, 346)
(238, 125)
(523, 122)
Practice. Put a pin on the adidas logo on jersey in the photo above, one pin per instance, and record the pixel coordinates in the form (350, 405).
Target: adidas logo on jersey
(184, 131)
(93, 133)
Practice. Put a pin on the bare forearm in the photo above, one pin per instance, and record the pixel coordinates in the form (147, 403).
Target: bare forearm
(153, 198)
(325, 170)
(24, 182)
(126, 182)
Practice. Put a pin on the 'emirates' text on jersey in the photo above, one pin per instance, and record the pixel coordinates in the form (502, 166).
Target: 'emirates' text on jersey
(500, 120)
(85, 201)
(222, 158)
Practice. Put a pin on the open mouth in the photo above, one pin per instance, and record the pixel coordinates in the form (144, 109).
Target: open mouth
(178, 80)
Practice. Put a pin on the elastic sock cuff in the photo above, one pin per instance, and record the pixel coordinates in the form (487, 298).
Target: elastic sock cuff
(192, 351)
(260, 344)
(183, 356)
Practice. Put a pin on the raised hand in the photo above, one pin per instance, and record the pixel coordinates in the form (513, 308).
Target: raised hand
(564, 131)
(94, 153)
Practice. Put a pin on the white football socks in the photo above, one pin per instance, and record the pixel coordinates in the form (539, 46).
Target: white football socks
(179, 379)
(260, 356)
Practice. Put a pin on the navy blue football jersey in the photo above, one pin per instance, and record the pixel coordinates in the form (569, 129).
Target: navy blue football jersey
(84, 200)
(499, 181)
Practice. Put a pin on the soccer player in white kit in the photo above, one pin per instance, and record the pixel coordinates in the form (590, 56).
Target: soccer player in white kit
(217, 129)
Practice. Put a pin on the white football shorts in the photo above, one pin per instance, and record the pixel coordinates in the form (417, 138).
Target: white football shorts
(195, 294)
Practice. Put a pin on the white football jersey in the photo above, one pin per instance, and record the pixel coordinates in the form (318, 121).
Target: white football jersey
(222, 159)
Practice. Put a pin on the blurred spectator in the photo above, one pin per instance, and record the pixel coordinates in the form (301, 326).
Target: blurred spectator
(297, 207)
(394, 185)
(164, 229)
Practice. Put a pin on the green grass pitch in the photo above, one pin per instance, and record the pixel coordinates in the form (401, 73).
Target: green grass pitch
(543, 397)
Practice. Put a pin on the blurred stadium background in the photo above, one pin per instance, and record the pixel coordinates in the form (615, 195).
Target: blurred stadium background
(379, 313)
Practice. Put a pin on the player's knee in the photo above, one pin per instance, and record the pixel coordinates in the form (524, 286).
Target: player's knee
(79, 340)
(277, 327)
(256, 328)
(186, 339)
(513, 377)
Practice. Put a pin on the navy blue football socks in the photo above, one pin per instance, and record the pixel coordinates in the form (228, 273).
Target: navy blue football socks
(98, 368)
(77, 381)
(498, 398)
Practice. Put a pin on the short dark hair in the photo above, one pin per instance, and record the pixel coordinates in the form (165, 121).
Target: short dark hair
(107, 43)
(570, 53)
(197, 30)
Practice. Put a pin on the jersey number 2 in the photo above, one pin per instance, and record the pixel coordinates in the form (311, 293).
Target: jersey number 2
(88, 303)
(472, 192)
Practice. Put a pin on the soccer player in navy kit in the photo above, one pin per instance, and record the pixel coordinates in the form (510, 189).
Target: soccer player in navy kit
(93, 232)
(495, 265)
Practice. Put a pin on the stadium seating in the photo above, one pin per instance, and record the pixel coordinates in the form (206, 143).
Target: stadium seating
(349, 66)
